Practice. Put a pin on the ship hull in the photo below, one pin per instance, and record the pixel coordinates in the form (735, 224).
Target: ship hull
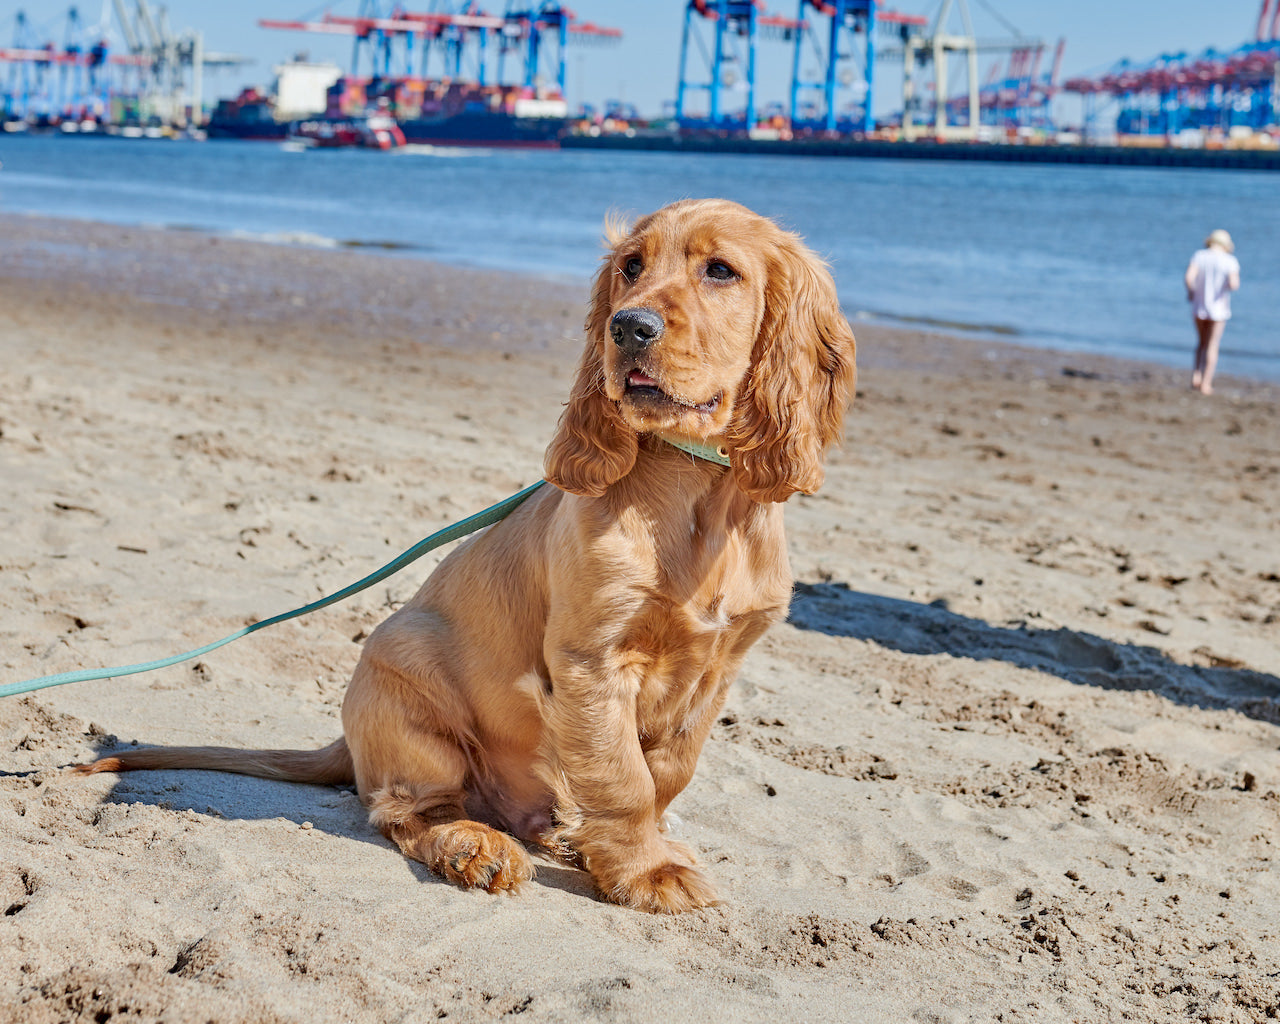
(266, 132)
(485, 129)
(463, 129)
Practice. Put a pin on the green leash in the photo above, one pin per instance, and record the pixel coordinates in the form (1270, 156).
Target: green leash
(458, 530)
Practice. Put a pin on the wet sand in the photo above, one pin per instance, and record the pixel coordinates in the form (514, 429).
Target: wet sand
(1015, 756)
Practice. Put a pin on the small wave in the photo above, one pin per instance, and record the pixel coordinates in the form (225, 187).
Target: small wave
(307, 238)
(424, 149)
(287, 238)
(380, 244)
(942, 324)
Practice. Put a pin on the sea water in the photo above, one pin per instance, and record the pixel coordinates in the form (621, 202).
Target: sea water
(1086, 259)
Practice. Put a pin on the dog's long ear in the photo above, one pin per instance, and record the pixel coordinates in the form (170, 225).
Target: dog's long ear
(800, 380)
(592, 447)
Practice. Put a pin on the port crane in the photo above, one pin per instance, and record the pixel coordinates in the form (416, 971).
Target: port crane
(728, 65)
(47, 84)
(847, 38)
(953, 118)
(1022, 96)
(920, 49)
(398, 42)
(1222, 92)
(173, 72)
(81, 84)
(841, 35)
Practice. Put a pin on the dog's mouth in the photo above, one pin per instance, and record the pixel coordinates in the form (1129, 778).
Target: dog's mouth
(640, 386)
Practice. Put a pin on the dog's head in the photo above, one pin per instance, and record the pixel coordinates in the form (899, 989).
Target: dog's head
(708, 323)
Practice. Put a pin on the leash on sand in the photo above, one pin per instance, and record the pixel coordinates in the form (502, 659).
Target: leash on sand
(457, 531)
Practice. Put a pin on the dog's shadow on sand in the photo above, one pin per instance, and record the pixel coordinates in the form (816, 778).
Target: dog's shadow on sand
(1082, 658)
(298, 807)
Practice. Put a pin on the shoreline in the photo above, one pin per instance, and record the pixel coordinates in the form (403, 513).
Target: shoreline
(929, 149)
(1014, 755)
(67, 246)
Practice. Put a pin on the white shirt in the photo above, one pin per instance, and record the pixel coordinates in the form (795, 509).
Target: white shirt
(1212, 294)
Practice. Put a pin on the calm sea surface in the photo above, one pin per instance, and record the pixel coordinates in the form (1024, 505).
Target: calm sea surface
(1072, 258)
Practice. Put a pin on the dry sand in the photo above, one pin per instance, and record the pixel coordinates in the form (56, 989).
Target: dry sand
(1014, 757)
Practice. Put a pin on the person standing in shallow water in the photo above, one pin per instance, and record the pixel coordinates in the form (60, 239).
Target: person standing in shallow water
(1212, 275)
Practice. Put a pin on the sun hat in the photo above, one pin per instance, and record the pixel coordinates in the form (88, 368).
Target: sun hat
(1221, 239)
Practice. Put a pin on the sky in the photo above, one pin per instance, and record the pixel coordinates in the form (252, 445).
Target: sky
(643, 67)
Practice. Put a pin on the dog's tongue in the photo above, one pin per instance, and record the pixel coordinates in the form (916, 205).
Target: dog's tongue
(638, 380)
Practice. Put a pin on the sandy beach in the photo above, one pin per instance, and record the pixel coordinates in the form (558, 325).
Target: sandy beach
(1015, 756)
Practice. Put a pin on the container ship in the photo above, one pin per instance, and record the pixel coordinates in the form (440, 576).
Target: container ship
(426, 112)
(455, 98)
(444, 113)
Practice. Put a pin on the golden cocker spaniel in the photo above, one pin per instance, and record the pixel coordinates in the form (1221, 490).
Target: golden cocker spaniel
(558, 674)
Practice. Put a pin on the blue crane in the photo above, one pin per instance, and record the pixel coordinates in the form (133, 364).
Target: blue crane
(728, 67)
(462, 34)
(849, 32)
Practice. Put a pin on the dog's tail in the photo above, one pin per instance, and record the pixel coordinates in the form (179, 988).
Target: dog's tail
(331, 766)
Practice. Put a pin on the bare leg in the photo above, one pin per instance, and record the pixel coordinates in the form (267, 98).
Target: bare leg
(1209, 335)
(1204, 328)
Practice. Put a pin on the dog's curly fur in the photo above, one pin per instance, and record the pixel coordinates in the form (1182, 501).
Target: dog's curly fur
(558, 674)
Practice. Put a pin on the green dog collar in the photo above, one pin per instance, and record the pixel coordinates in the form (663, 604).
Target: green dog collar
(702, 451)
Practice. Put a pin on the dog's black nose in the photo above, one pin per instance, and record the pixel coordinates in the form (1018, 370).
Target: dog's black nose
(633, 329)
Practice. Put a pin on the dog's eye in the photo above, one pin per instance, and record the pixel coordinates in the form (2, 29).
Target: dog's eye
(718, 270)
(632, 268)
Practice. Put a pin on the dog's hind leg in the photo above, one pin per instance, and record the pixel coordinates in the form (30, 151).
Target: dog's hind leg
(431, 827)
(405, 735)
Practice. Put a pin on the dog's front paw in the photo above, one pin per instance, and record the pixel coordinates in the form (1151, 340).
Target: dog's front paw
(477, 857)
(668, 889)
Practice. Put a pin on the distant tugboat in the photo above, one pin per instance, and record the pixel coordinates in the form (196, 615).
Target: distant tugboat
(368, 131)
